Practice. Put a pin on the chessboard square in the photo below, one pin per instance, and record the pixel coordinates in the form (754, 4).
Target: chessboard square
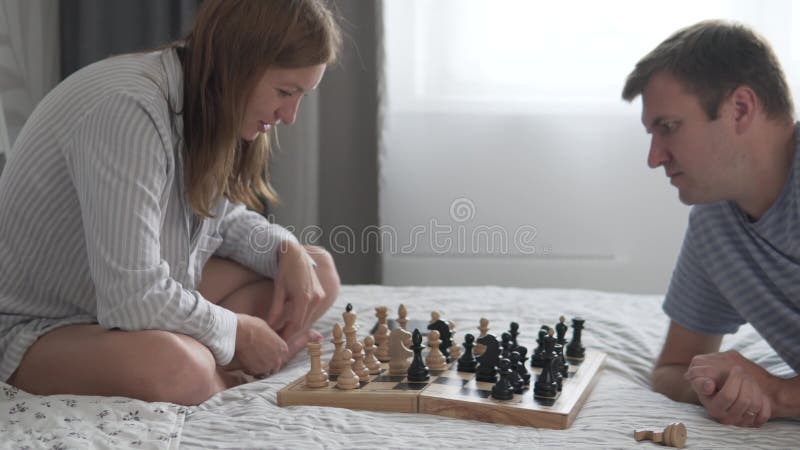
(410, 386)
(437, 372)
(470, 392)
(451, 381)
(379, 386)
(389, 378)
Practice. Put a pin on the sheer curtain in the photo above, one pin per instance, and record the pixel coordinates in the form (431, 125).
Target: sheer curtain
(510, 111)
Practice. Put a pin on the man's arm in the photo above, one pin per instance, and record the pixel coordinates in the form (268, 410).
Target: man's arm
(679, 348)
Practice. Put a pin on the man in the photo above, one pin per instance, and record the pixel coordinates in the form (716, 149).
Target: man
(720, 113)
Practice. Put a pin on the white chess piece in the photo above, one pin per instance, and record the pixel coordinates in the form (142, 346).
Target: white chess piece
(347, 379)
(435, 359)
(316, 376)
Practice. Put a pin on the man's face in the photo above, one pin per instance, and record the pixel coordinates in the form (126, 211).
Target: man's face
(696, 153)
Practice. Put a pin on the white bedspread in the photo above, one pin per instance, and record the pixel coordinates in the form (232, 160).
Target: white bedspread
(629, 328)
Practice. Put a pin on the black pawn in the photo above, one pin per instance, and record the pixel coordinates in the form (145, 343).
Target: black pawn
(467, 361)
(556, 366)
(561, 331)
(522, 351)
(562, 361)
(445, 337)
(488, 360)
(516, 379)
(503, 389)
(507, 345)
(513, 330)
(545, 385)
(575, 347)
(417, 371)
(537, 359)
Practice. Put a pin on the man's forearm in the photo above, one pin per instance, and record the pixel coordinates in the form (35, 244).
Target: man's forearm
(785, 396)
(668, 380)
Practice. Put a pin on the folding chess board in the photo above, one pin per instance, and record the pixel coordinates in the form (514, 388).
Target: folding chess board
(457, 394)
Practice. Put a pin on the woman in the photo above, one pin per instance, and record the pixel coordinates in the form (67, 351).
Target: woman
(126, 179)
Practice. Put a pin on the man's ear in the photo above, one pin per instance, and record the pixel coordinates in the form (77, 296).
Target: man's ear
(744, 103)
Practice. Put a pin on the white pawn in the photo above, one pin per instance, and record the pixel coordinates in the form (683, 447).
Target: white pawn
(370, 360)
(484, 328)
(347, 379)
(382, 339)
(435, 316)
(316, 376)
(401, 316)
(358, 366)
(398, 365)
(435, 359)
(336, 363)
(455, 349)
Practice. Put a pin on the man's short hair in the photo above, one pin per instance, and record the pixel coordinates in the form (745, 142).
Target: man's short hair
(712, 59)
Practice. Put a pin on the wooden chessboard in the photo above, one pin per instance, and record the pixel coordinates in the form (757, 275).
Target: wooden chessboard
(457, 394)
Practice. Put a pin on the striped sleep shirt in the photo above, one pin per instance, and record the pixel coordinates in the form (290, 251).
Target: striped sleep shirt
(731, 271)
(95, 224)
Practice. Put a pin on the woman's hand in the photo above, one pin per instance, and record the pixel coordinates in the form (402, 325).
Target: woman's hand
(298, 292)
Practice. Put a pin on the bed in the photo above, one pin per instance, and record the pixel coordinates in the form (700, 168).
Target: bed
(629, 328)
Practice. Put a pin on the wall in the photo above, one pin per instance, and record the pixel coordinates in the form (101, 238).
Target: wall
(29, 58)
(577, 183)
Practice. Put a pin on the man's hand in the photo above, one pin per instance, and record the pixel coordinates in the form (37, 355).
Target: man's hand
(732, 388)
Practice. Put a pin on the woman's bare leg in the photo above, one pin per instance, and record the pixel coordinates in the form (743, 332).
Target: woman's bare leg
(149, 365)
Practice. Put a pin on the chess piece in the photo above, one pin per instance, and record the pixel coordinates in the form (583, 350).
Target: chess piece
(417, 371)
(358, 363)
(435, 315)
(558, 375)
(488, 360)
(561, 331)
(537, 360)
(522, 351)
(562, 361)
(455, 349)
(516, 378)
(484, 329)
(435, 359)
(575, 348)
(674, 435)
(467, 361)
(382, 313)
(401, 316)
(545, 385)
(350, 328)
(503, 389)
(506, 345)
(399, 353)
(336, 362)
(347, 379)
(372, 363)
(316, 376)
(513, 330)
(444, 337)
(382, 340)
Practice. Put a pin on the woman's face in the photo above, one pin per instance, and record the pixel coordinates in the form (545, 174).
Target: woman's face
(276, 98)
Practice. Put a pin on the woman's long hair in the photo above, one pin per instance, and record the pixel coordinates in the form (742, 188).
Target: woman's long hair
(224, 56)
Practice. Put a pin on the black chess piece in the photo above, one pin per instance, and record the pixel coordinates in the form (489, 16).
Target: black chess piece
(562, 362)
(522, 351)
(561, 331)
(488, 360)
(506, 345)
(446, 339)
(575, 347)
(558, 375)
(513, 330)
(467, 361)
(545, 385)
(503, 389)
(537, 360)
(417, 371)
(516, 379)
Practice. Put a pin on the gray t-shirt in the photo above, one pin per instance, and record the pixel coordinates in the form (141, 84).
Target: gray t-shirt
(732, 271)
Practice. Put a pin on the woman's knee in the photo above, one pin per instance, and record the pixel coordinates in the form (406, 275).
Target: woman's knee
(182, 371)
(326, 272)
